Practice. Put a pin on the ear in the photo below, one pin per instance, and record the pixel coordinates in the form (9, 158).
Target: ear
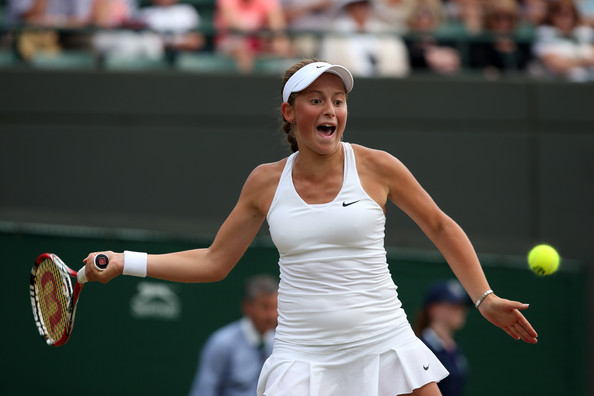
(246, 308)
(288, 111)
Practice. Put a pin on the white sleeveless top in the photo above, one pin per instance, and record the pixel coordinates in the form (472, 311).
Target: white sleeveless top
(335, 285)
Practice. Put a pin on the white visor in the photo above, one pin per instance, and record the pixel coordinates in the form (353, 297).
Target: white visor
(309, 73)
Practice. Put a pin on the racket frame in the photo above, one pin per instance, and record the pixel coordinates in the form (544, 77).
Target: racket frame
(70, 293)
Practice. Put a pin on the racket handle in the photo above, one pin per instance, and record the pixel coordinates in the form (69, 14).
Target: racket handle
(101, 261)
(81, 276)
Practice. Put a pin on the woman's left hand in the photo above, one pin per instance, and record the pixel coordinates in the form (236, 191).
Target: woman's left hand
(506, 315)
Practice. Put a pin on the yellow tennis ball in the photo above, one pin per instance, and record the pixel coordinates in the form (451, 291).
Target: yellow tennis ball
(543, 259)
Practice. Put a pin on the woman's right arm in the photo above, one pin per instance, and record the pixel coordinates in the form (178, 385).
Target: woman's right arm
(215, 262)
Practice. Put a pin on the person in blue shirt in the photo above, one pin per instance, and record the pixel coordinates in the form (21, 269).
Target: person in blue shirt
(444, 311)
(233, 356)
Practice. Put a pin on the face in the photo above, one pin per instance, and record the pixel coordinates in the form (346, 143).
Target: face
(262, 311)
(452, 316)
(424, 20)
(320, 114)
(502, 21)
(564, 19)
(359, 11)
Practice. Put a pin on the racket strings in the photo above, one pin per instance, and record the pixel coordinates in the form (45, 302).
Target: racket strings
(52, 300)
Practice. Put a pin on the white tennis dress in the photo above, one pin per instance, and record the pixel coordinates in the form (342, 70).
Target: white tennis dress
(341, 329)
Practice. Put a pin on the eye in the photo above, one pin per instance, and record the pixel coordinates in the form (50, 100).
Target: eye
(338, 102)
(316, 101)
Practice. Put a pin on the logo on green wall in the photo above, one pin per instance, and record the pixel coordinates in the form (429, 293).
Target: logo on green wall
(155, 301)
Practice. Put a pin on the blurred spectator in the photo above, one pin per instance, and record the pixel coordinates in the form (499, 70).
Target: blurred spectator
(427, 53)
(119, 41)
(535, 12)
(363, 43)
(242, 25)
(111, 13)
(586, 11)
(306, 21)
(395, 13)
(163, 28)
(232, 357)
(176, 25)
(564, 46)
(451, 10)
(51, 13)
(473, 15)
(444, 311)
(501, 52)
(467, 13)
(47, 16)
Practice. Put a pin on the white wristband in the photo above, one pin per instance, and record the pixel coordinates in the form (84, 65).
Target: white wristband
(135, 263)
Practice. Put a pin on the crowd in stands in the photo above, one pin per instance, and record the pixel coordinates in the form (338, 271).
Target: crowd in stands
(551, 39)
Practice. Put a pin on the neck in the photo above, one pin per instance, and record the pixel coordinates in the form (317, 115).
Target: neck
(317, 166)
(445, 334)
(311, 162)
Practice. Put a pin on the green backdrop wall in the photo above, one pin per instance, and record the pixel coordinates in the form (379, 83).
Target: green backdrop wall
(511, 161)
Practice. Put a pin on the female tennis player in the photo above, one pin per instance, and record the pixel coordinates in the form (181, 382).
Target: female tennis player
(341, 327)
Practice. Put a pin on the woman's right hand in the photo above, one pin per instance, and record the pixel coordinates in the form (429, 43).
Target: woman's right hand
(113, 269)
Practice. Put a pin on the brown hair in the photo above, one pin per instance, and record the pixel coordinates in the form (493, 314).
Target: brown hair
(422, 321)
(286, 125)
(561, 6)
(496, 9)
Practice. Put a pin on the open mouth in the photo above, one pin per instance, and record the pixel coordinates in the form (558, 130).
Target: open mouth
(326, 129)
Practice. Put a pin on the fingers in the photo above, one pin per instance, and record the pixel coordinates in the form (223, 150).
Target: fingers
(523, 334)
(518, 332)
(522, 330)
(90, 268)
(510, 333)
(94, 274)
(528, 326)
(506, 315)
(530, 335)
(90, 257)
(520, 306)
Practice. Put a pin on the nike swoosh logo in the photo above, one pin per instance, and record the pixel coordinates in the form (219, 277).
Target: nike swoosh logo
(344, 204)
(317, 67)
(426, 367)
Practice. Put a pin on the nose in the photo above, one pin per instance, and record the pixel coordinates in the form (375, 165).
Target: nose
(329, 109)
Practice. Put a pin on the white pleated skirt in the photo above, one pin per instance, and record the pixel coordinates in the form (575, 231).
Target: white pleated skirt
(389, 364)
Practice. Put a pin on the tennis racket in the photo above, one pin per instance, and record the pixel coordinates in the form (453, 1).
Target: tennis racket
(52, 297)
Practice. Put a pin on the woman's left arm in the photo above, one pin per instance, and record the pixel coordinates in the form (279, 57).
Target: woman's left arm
(405, 192)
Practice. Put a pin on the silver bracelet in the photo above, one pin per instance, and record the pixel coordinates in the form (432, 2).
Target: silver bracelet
(480, 300)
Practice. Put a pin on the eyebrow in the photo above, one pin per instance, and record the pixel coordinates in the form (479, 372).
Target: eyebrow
(317, 91)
